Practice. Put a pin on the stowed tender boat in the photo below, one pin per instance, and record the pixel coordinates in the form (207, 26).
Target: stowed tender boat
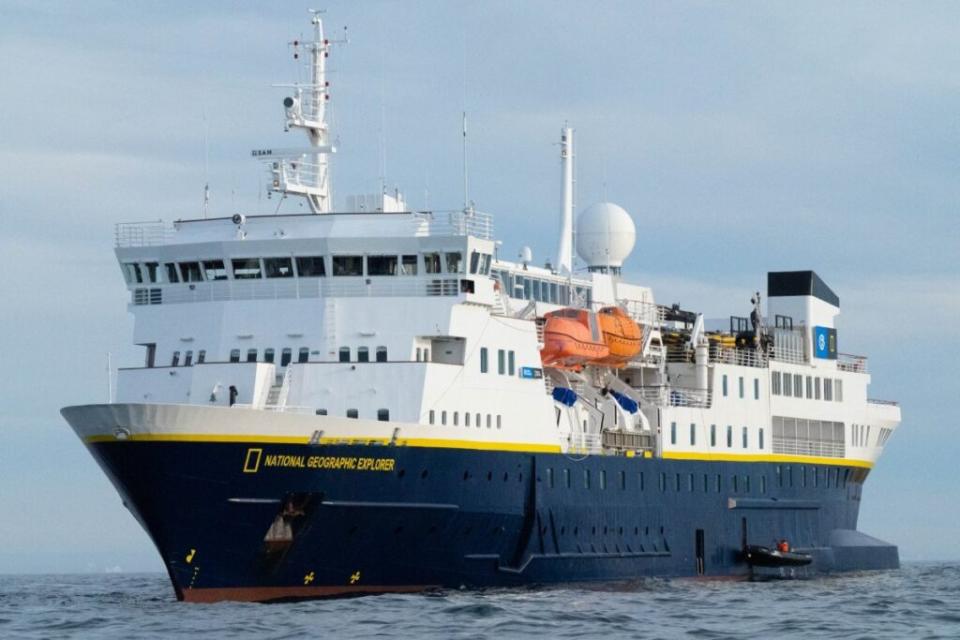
(571, 339)
(363, 401)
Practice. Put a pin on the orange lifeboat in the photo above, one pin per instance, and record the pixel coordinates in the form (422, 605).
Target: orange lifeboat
(622, 335)
(572, 338)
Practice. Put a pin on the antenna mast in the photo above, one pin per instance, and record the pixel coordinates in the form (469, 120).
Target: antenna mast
(306, 172)
(466, 192)
(565, 248)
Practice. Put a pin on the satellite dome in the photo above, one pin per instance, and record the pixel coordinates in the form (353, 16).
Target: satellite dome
(605, 236)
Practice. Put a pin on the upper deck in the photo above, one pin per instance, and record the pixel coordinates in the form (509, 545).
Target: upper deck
(407, 224)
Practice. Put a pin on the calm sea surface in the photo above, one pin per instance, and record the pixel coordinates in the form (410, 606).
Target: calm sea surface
(919, 601)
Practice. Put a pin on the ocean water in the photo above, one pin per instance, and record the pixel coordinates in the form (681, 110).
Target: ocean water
(918, 601)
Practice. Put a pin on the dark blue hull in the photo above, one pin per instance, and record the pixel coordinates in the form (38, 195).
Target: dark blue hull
(277, 521)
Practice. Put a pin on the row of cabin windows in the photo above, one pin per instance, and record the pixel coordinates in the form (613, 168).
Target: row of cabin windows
(744, 436)
(187, 358)
(304, 267)
(784, 477)
(478, 421)
(286, 356)
(269, 355)
(551, 291)
(741, 387)
(383, 415)
(506, 361)
(797, 386)
(363, 354)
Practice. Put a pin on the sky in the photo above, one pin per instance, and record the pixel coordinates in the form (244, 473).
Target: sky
(742, 137)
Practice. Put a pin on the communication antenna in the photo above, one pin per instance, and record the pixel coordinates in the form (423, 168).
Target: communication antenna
(466, 192)
(206, 164)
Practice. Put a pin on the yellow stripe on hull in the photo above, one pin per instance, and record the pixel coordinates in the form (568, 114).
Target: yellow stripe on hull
(766, 457)
(262, 439)
(477, 445)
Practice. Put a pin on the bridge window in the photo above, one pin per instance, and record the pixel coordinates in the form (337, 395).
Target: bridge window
(132, 273)
(191, 272)
(347, 265)
(285, 356)
(381, 265)
(383, 415)
(268, 355)
(246, 268)
(311, 267)
(214, 270)
(454, 262)
(363, 354)
(151, 271)
(408, 265)
(474, 262)
(173, 276)
(353, 413)
(344, 354)
(431, 262)
(484, 360)
(251, 355)
(304, 355)
(234, 355)
(381, 354)
(278, 267)
(175, 360)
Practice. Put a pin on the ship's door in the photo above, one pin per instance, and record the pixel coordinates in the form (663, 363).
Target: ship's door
(700, 552)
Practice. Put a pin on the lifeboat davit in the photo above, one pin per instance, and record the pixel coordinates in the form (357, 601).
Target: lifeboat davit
(622, 335)
(572, 338)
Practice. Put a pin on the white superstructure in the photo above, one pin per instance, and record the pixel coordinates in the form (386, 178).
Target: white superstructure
(377, 323)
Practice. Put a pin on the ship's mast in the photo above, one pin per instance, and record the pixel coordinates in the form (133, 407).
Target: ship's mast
(306, 172)
(565, 249)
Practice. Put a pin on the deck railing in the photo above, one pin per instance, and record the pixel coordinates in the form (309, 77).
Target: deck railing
(142, 234)
(849, 362)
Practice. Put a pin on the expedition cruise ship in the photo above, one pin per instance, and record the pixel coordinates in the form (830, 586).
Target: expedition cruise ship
(373, 400)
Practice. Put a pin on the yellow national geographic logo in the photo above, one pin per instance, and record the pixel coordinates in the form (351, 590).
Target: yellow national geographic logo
(252, 462)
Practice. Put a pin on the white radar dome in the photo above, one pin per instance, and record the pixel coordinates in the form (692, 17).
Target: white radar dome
(605, 236)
